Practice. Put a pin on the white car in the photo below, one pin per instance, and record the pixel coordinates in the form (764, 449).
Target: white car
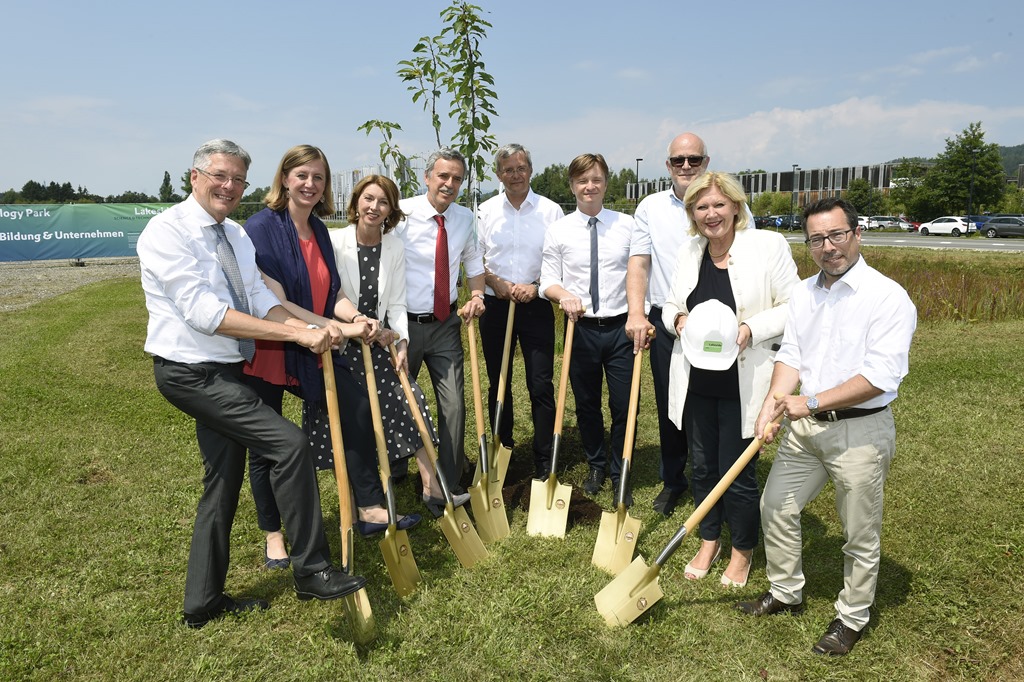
(951, 225)
(865, 223)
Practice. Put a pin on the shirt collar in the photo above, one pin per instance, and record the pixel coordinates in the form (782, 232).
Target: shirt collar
(530, 200)
(852, 278)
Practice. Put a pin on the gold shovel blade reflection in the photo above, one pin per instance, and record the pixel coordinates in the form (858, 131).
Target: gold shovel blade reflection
(630, 595)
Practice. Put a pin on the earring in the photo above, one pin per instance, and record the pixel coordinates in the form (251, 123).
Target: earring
(322, 200)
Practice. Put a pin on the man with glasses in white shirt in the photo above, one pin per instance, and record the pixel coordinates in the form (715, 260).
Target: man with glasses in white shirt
(207, 303)
(512, 226)
(847, 347)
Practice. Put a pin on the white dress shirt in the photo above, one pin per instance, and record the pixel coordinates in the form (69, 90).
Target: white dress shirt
(567, 259)
(187, 293)
(419, 233)
(862, 325)
(513, 239)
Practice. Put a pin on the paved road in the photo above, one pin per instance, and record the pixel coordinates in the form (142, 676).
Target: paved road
(914, 240)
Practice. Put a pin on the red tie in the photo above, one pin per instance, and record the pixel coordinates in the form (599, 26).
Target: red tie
(442, 273)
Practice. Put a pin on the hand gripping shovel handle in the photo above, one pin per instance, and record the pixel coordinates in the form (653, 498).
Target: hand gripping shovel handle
(716, 493)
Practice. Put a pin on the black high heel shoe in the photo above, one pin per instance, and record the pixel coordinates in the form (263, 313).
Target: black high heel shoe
(436, 505)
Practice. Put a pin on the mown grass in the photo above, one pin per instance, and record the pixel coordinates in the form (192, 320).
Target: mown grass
(100, 477)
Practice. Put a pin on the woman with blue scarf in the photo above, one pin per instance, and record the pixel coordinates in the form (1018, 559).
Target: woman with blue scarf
(294, 254)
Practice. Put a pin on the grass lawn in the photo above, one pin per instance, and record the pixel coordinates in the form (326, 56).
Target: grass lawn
(100, 477)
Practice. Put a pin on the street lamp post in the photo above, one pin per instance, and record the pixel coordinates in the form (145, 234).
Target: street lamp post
(792, 196)
(638, 180)
(970, 193)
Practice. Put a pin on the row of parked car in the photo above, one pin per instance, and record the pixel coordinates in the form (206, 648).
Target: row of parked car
(990, 226)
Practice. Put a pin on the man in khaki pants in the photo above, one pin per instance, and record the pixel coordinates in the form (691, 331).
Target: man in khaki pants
(847, 346)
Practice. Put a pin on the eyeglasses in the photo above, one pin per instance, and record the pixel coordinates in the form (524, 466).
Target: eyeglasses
(678, 161)
(509, 172)
(224, 178)
(818, 241)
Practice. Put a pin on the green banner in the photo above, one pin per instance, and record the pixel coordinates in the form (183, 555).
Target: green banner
(57, 231)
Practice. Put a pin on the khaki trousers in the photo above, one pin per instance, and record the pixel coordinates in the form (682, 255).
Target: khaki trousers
(855, 455)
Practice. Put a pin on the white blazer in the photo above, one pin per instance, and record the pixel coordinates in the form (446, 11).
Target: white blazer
(762, 273)
(390, 282)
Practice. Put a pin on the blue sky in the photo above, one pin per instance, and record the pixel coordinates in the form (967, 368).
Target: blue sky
(109, 95)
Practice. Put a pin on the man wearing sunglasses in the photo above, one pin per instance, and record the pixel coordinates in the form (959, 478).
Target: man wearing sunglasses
(847, 347)
(661, 227)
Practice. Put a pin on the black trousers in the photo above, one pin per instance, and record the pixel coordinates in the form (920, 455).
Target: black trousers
(601, 352)
(230, 418)
(673, 441)
(533, 329)
(716, 442)
(357, 435)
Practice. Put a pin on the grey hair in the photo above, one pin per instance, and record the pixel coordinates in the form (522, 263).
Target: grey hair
(507, 150)
(448, 154)
(201, 159)
(703, 145)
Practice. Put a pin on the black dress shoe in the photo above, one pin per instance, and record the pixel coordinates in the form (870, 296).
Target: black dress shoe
(666, 501)
(330, 583)
(226, 606)
(436, 505)
(767, 605)
(370, 528)
(837, 640)
(541, 471)
(594, 481)
(615, 493)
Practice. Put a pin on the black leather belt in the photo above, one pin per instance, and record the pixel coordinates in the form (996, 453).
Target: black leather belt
(848, 413)
(603, 321)
(427, 318)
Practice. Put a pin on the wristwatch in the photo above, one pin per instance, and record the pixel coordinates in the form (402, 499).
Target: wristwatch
(812, 403)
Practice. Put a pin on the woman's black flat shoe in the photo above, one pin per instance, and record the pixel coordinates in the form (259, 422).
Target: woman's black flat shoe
(436, 505)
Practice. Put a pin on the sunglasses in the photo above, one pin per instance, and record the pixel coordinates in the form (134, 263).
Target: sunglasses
(678, 161)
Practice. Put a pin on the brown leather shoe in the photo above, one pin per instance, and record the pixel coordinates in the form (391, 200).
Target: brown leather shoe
(837, 640)
(767, 605)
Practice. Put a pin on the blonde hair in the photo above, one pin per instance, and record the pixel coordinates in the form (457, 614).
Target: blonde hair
(727, 185)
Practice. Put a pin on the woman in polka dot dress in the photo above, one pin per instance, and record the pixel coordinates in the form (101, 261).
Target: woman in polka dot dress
(371, 262)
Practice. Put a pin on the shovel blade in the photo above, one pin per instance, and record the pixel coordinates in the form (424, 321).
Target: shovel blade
(549, 508)
(360, 617)
(499, 462)
(616, 541)
(489, 511)
(462, 536)
(630, 595)
(400, 562)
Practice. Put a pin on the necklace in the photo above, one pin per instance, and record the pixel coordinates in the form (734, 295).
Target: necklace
(719, 255)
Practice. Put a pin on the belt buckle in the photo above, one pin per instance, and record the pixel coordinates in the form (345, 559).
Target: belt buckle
(831, 415)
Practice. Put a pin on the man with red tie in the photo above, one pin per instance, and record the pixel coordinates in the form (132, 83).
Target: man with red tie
(439, 238)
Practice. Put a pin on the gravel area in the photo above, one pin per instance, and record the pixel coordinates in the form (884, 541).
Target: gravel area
(24, 283)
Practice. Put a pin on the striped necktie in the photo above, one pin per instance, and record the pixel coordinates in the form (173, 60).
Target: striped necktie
(228, 263)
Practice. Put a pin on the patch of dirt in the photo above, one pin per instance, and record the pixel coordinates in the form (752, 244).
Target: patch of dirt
(25, 283)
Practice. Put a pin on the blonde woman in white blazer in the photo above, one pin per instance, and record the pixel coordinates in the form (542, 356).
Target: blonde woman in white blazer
(371, 263)
(751, 271)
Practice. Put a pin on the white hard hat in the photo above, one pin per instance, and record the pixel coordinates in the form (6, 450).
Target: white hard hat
(709, 337)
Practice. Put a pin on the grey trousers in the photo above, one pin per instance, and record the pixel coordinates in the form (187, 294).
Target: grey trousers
(439, 346)
(231, 418)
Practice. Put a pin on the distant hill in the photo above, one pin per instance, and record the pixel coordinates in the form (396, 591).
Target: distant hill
(1012, 157)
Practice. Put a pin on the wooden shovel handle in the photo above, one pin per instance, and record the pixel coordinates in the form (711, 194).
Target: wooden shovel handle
(634, 402)
(503, 377)
(563, 382)
(474, 371)
(378, 422)
(338, 448)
